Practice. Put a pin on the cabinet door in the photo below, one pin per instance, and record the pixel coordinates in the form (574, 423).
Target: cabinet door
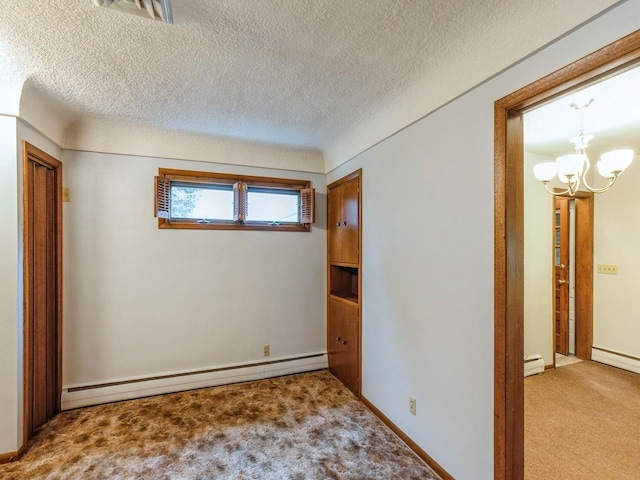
(350, 228)
(344, 222)
(334, 219)
(334, 347)
(343, 342)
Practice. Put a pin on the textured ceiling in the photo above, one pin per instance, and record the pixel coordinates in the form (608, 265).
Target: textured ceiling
(288, 72)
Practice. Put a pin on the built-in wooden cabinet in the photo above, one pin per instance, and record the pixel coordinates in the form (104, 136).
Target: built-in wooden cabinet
(344, 280)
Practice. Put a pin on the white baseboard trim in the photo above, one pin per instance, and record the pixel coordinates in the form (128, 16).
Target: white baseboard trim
(620, 360)
(74, 396)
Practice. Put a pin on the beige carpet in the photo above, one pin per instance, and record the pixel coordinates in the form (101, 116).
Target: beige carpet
(305, 426)
(582, 422)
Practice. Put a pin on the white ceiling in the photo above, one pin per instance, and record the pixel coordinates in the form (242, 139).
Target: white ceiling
(287, 72)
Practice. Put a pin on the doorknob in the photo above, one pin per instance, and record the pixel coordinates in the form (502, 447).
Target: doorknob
(561, 281)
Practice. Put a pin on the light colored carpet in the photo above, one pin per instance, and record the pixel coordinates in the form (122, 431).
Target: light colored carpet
(564, 360)
(582, 422)
(306, 426)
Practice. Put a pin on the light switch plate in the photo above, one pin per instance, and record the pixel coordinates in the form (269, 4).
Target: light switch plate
(608, 269)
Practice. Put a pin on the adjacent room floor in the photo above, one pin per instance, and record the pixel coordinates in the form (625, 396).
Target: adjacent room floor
(564, 360)
(582, 421)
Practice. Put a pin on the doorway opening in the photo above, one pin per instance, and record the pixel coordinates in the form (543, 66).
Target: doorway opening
(509, 238)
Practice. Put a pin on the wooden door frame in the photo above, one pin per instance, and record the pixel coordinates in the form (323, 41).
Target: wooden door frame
(31, 153)
(509, 239)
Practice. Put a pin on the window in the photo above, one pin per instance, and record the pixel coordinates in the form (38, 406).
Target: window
(203, 200)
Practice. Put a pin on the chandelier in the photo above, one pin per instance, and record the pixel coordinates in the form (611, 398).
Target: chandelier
(572, 169)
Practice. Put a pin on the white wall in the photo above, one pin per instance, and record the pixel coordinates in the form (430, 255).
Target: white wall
(616, 303)
(428, 261)
(143, 301)
(538, 260)
(9, 284)
(119, 137)
(12, 132)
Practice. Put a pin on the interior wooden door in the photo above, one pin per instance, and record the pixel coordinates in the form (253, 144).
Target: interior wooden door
(42, 288)
(561, 275)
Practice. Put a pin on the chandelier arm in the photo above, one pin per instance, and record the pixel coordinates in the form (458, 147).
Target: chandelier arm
(605, 188)
(546, 187)
(584, 175)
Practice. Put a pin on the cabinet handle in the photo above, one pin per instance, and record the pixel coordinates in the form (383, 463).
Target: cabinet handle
(338, 224)
(338, 339)
(344, 342)
(344, 223)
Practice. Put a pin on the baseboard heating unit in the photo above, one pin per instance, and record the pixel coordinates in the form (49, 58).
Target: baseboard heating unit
(74, 396)
(533, 364)
(616, 359)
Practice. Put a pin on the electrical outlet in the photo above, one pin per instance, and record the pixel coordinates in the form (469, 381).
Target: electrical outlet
(412, 405)
(266, 350)
(608, 269)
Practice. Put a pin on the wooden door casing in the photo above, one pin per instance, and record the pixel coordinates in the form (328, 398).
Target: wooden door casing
(509, 242)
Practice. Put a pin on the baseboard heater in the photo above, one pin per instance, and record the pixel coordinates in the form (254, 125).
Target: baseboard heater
(616, 359)
(533, 364)
(74, 396)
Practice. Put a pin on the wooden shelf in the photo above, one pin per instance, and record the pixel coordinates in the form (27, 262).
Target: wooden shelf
(344, 299)
(343, 282)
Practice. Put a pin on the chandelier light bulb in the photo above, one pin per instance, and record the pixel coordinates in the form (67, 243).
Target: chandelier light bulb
(614, 162)
(545, 172)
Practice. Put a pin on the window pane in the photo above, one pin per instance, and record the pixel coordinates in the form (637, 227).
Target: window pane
(273, 206)
(206, 203)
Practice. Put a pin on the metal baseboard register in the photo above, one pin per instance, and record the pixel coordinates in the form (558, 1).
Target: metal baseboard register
(154, 9)
(533, 364)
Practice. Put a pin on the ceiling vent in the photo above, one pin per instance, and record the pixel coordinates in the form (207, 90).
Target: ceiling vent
(155, 9)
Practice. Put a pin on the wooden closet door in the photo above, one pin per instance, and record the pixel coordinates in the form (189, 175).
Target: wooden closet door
(42, 288)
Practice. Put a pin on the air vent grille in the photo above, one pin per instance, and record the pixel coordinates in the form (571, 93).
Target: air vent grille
(155, 9)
